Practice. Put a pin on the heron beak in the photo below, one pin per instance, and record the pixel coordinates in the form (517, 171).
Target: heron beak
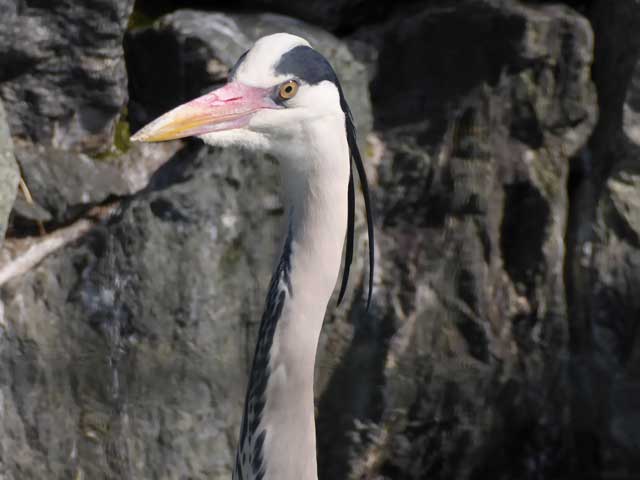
(231, 106)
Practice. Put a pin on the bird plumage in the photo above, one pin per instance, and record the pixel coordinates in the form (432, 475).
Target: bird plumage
(283, 97)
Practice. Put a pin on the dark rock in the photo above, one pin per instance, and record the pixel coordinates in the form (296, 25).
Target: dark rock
(480, 107)
(9, 174)
(117, 368)
(63, 82)
(503, 337)
(418, 78)
(631, 108)
(340, 16)
(336, 15)
(66, 184)
(603, 271)
(30, 210)
(196, 50)
(62, 73)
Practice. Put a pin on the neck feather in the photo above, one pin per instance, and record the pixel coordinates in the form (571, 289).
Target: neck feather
(277, 439)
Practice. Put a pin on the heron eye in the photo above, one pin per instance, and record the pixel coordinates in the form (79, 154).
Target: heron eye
(288, 90)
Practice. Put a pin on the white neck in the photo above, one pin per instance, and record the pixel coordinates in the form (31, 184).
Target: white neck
(280, 398)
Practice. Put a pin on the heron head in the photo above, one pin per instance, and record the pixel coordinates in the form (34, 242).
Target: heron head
(274, 90)
(282, 97)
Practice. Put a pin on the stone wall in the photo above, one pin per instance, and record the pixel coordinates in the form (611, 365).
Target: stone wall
(502, 144)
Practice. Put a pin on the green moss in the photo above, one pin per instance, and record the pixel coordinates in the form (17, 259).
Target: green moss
(369, 151)
(230, 258)
(121, 140)
(139, 19)
(146, 12)
(122, 137)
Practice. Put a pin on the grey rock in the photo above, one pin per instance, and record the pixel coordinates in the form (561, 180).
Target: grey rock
(62, 73)
(503, 338)
(9, 174)
(604, 256)
(418, 81)
(466, 352)
(195, 49)
(65, 184)
(631, 118)
(63, 82)
(30, 210)
(624, 202)
(126, 354)
(607, 353)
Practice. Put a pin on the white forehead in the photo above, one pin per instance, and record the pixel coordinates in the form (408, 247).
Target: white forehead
(258, 67)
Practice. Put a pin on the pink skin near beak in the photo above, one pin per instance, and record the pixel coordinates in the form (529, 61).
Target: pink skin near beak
(231, 106)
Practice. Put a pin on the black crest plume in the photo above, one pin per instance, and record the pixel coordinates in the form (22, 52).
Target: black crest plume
(356, 159)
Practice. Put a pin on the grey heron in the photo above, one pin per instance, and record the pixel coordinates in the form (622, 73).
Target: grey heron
(284, 97)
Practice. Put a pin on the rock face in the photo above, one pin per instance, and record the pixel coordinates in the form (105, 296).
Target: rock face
(65, 184)
(139, 376)
(64, 85)
(503, 338)
(62, 73)
(340, 15)
(467, 352)
(604, 256)
(8, 173)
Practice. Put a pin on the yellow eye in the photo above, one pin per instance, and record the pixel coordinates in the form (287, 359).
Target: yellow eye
(288, 90)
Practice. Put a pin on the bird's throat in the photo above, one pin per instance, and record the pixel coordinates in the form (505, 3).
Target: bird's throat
(279, 413)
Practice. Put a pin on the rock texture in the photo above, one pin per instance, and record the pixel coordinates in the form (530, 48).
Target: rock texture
(604, 262)
(65, 184)
(503, 338)
(340, 15)
(114, 368)
(9, 174)
(64, 85)
(468, 347)
(62, 73)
